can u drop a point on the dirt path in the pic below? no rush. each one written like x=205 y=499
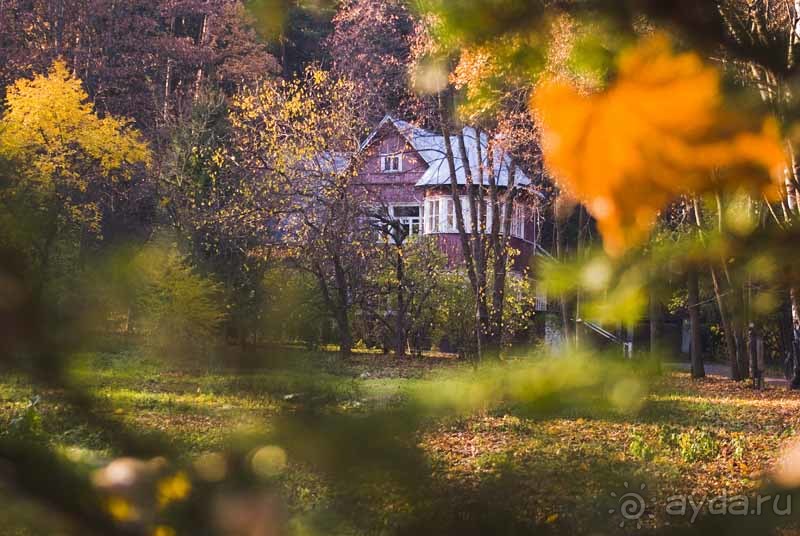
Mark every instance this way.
x=719 y=369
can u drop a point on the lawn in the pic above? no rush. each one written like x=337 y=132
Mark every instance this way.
x=563 y=471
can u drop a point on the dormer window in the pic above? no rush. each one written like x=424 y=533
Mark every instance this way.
x=391 y=163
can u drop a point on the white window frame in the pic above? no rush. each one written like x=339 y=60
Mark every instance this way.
x=396 y=158
x=432 y=215
x=440 y=215
x=518 y=216
x=449 y=216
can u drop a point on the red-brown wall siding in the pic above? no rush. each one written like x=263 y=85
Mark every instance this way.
x=450 y=244
x=392 y=187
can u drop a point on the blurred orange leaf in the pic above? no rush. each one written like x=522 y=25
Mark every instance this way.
x=659 y=131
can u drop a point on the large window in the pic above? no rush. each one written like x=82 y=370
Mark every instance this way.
x=392 y=163
x=410 y=218
x=440 y=216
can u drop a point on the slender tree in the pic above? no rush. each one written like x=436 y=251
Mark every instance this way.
x=300 y=144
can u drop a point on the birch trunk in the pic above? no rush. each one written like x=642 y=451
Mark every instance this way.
x=724 y=317
x=459 y=216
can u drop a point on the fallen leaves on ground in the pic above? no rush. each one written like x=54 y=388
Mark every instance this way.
x=563 y=471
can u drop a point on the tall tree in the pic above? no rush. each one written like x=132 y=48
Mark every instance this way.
x=300 y=142
x=406 y=279
x=500 y=134
x=65 y=153
x=371 y=45
x=693 y=304
x=137 y=58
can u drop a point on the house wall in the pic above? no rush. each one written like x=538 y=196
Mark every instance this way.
x=450 y=243
x=395 y=187
x=398 y=187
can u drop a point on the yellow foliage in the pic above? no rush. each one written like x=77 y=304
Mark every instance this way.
x=51 y=127
x=173 y=488
x=122 y=510
x=474 y=72
x=658 y=132
x=301 y=133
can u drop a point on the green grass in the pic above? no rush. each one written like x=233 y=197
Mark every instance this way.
x=553 y=469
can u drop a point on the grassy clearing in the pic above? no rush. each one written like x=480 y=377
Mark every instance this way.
x=702 y=438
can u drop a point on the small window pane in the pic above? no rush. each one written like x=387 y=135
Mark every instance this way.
x=450 y=215
x=406 y=212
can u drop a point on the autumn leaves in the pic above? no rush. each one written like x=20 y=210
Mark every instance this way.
x=661 y=130
x=50 y=125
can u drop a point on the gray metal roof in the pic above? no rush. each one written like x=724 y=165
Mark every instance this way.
x=431 y=147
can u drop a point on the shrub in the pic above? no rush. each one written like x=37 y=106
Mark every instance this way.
x=698 y=445
x=638 y=447
x=27 y=423
x=668 y=436
x=178 y=308
x=454 y=319
x=520 y=306
x=454 y=322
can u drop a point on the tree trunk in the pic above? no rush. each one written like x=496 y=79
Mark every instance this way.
x=343 y=327
x=59 y=27
x=168 y=76
x=477 y=209
x=578 y=252
x=342 y=308
x=655 y=321
x=724 y=318
x=201 y=42
x=727 y=328
x=560 y=243
x=740 y=332
x=459 y=217
x=338 y=307
x=794 y=293
x=497 y=247
x=400 y=333
x=698 y=370
x=795 y=308
x=501 y=257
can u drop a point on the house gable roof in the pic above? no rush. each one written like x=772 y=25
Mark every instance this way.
x=431 y=148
